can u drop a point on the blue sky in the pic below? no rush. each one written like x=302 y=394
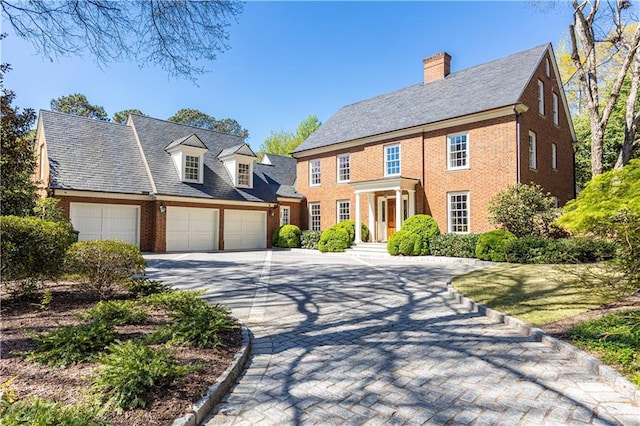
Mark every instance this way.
x=292 y=59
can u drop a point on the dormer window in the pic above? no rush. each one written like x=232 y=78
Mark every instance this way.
x=188 y=158
x=238 y=160
x=244 y=171
x=191 y=167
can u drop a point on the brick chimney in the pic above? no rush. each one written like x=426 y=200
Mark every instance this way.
x=436 y=67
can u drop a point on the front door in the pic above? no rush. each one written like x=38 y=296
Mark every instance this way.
x=391 y=217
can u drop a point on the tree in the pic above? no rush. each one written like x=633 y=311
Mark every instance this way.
x=17 y=159
x=283 y=143
x=122 y=116
x=77 y=104
x=613 y=51
x=197 y=118
x=176 y=35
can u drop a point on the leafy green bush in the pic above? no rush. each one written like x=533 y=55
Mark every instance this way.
x=286 y=236
x=71 y=344
x=350 y=227
x=33 y=248
x=534 y=249
x=48 y=209
x=491 y=245
x=529 y=249
x=334 y=239
x=131 y=369
x=116 y=312
x=424 y=226
x=143 y=286
x=309 y=239
x=105 y=263
x=405 y=243
x=454 y=245
x=37 y=411
x=176 y=300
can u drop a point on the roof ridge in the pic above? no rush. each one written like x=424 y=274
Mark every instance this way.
x=187 y=125
x=93 y=120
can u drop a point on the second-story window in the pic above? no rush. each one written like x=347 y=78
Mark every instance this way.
x=457 y=152
x=191 y=168
x=344 y=168
x=556 y=118
x=392 y=160
x=533 y=151
x=541 y=97
x=244 y=171
x=314 y=172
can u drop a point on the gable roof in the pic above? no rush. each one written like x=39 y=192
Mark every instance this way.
x=480 y=88
x=242 y=149
x=192 y=140
x=280 y=173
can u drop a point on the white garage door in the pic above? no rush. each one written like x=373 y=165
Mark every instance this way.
x=192 y=229
x=245 y=229
x=106 y=222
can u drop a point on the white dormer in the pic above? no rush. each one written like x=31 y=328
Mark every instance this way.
x=238 y=160
x=188 y=158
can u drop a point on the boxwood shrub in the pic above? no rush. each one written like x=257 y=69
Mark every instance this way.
x=454 y=245
x=424 y=226
x=286 y=236
x=534 y=249
x=492 y=245
x=350 y=227
x=335 y=239
x=309 y=239
x=405 y=243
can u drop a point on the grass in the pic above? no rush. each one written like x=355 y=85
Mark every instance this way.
x=536 y=294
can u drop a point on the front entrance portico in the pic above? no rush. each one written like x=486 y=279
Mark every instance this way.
x=380 y=193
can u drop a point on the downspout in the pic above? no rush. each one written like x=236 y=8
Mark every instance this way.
x=515 y=110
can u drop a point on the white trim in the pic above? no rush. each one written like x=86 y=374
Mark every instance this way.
x=310 y=205
x=466 y=166
x=533 y=159
x=338 y=157
x=179 y=199
x=556 y=113
x=133 y=206
x=289 y=200
x=144 y=157
x=250 y=174
x=452 y=194
x=565 y=104
x=386 y=159
x=311 y=162
x=112 y=195
x=338 y=202
x=282 y=210
x=541 y=109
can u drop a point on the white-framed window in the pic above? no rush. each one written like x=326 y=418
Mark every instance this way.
x=344 y=210
x=554 y=156
x=458 y=210
x=556 y=117
x=392 y=160
x=314 y=216
x=314 y=172
x=533 y=151
x=42 y=162
x=285 y=215
x=457 y=152
x=344 y=168
x=244 y=174
x=547 y=67
x=541 y=97
x=191 y=168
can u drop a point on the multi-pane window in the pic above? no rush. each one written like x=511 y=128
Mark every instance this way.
x=457 y=152
x=540 y=97
x=285 y=215
x=459 y=212
x=314 y=216
x=556 y=118
x=191 y=168
x=533 y=151
x=344 y=168
x=344 y=210
x=554 y=156
x=314 y=172
x=244 y=174
x=391 y=160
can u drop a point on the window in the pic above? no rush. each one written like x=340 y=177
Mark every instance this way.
x=285 y=215
x=459 y=212
x=547 y=67
x=314 y=172
x=244 y=171
x=457 y=152
x=556 y=119
x=540 y=97
x=533 y=161
x=344 y=210
x=391 y=160
x=554 y=156
x=42 y=163
x=191 y=168
x=344 y=168
x=314 y=216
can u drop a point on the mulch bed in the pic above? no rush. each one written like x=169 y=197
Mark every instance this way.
x=66 y=385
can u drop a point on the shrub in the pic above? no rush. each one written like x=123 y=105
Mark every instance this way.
x=530 y=249
x=130 y=370
x=491 y=245
x=424 y=226
x=49 y=209
x=334 y=239
x=578 y=250
x=405 y=243
x=71 y=344
x=37 y=411
x=286 y=236
x=176 y=300
x=105 y=263
x=116 y=312
x=523 y=210
x=350 y=227
x=309 y=239
x=142 y=286
x=33 y=249
x=454 y=245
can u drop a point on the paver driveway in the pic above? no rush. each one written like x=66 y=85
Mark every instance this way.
x=344 y=340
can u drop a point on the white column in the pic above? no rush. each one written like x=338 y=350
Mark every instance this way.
x=358 y=237
x=372 y=216
x=398 y=209
x=412 y=202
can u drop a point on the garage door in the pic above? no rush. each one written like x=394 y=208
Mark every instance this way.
x=106 y=222
x=245 y=229
x=192 y=229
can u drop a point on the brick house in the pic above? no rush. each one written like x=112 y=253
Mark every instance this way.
x=163 y=186
x=443 y=147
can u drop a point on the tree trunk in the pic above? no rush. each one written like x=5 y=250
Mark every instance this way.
x=632 y=117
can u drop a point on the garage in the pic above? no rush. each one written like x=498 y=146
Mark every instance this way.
x=192 y=229
x=245 y=229
x=106 y=222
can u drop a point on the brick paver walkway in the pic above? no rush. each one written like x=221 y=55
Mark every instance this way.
x=342 y=340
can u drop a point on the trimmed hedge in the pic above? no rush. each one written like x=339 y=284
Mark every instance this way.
x=286 y=236
x=491 y=245
x=309 y=239
x=405 y=243
x=454 y=245
x=534 y=249
x=335 y=239
x=33 y=248
x=350 y=227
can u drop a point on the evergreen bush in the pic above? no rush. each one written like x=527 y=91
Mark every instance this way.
x=309 y=239
x=405 y=243
x=424 y=226
x=492 y=245
x=333 y=240
x=454 y=245
x=286 y=236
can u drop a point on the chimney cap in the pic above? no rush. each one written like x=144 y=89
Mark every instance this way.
x=437 y=56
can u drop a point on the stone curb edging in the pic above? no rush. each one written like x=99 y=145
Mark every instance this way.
x=215 y=393
x=592 y=364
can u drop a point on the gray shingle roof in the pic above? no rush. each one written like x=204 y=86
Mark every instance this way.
x=491 y=85
x=280 y=174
